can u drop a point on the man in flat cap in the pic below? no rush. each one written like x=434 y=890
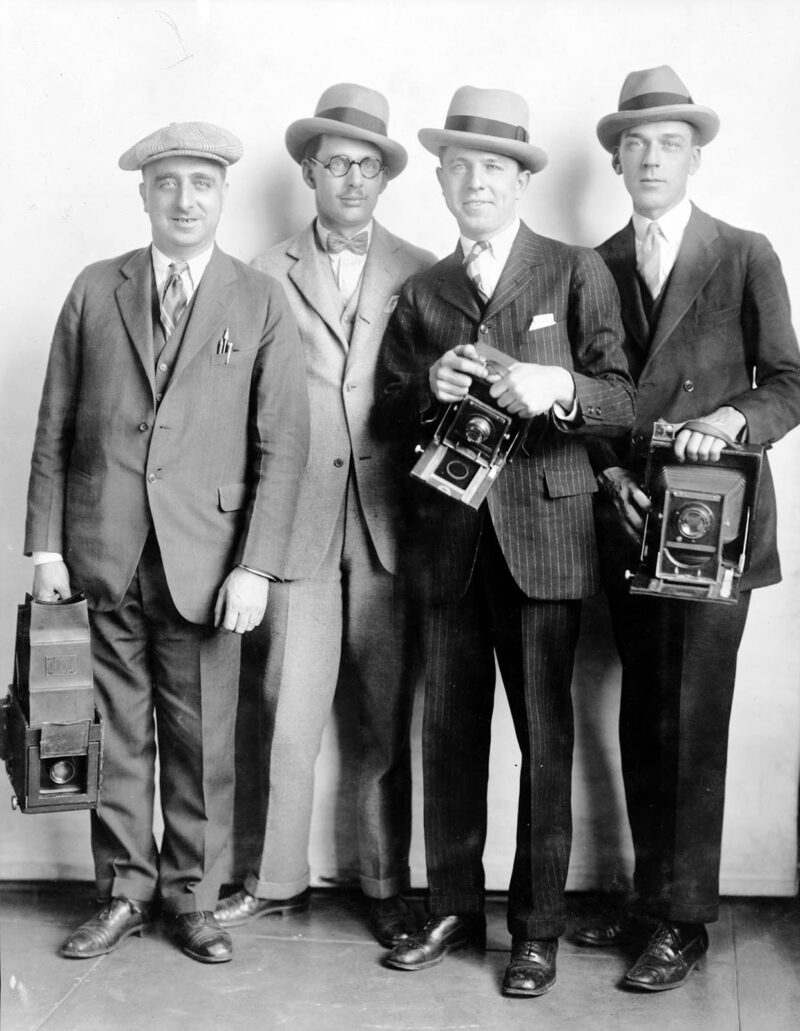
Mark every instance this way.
x=710 y=343
x=507 y=578
x=172 y=433
x=342 y=619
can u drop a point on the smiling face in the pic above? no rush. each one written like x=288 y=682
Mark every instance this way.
x=344 y=203
x=184 y=197
x=655 y=160
x=481 y=189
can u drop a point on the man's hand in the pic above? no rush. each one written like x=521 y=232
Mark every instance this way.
x=629 y=499
x=691 y=446
x=528 y=390
x=51 y=582
x=451 y=376
x=241 y=601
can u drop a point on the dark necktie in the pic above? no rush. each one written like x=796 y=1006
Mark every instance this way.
x=174 y=299
x=335 y=243
x=471 y=266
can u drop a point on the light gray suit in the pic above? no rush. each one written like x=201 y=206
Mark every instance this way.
x=342 y=613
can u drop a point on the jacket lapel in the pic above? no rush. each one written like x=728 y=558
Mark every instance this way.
x=315 y=283
x=525 y=255
x=207 y=316
x=620 y=257
x=376 y=286
x=695 y=263
x=455 y=287
x=135 y=302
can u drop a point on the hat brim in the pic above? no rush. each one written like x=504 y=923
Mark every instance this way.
x=529 y=157
x=704 y=120
x=299 y=133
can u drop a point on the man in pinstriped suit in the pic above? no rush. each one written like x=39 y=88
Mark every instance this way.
x=507 y=578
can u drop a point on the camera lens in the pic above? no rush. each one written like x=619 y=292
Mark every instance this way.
x=694 y=521
x=62 y=771
x=478 y=429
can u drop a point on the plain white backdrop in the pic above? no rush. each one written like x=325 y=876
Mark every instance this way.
x=84 y=79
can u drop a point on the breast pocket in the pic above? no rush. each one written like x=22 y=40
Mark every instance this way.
x=547 y=345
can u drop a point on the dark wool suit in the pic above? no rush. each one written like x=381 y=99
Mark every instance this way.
x=509 y=577
x=724 y=328
x=153 y=480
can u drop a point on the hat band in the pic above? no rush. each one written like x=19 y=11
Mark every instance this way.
x=645 y=100
x=486 y=127
x=358 y=119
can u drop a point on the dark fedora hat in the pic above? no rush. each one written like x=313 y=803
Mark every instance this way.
x=656 y=95
x=353 y=111
x=487 y=119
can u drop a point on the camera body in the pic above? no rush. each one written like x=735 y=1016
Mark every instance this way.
x=472 y=441
x=696 y=533
x=51 y=736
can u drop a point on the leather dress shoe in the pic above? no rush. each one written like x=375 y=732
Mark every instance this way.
x=674 y=950
x=200 y=936
x=391 y=920
x=532 y=968
x=242 y=907
x=605 y=933
x=107 y=929
x=440 y=935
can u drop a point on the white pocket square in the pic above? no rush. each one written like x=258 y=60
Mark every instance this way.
x=391 y=304
x=540 y=321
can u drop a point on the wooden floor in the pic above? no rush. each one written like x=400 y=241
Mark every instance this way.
x=321 y=971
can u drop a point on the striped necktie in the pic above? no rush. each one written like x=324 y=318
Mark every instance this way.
x=649 y=264
x=471 y=266
x=174 y=299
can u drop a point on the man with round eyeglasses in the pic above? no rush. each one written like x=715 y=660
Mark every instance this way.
x=341 y=616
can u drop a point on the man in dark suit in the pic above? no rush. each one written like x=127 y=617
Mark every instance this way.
x=172 y=434
x=508 y=577
x=342 y=274
x=710 y=343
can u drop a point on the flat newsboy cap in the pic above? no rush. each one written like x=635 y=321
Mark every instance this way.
x=656 y=95
x=184 y=139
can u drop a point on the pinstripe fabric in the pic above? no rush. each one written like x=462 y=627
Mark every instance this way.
x=507 y=579
x=541 y=506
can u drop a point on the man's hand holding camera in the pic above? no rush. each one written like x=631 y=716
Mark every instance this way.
x=630 y=501
x=694 y=446
x=525 y=389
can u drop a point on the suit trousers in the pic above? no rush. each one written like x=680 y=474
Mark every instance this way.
x=150 y=662
x=347 y=623
x=678 y=675
x=535 y=645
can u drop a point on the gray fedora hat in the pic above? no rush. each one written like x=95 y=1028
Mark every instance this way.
x=487 y=119
x=656 y=95
x=357 y=112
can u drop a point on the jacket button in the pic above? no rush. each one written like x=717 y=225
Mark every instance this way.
x=688 y=386
x=144 y=426
x=338 y=462
x=152 y=478
x=162 y=366
x=483 y=329
x=159 y=397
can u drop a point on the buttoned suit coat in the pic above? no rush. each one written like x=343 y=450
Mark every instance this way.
x=340 y=380
x=724 y=328
x=214 y=468
x=541 y=503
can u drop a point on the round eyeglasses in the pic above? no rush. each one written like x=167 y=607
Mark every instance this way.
x=339 y=165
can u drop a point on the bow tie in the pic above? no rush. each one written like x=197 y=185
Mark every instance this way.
x=335 y=244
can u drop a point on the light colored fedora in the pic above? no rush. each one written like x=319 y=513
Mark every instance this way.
x=656 y=95
x=487 y=119
x=353 y=111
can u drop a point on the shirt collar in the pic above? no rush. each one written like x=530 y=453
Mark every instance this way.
x=672 y=223
x=499 y=245
x=197 y=264
x=323 y=233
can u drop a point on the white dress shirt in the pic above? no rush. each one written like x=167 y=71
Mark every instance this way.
x=491 y=262
x=347 y=267
x=672 y=226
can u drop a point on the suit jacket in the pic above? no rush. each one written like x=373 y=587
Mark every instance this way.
x=724 y=337
x=214 y=467
x=341 y=390
x=540 y=505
